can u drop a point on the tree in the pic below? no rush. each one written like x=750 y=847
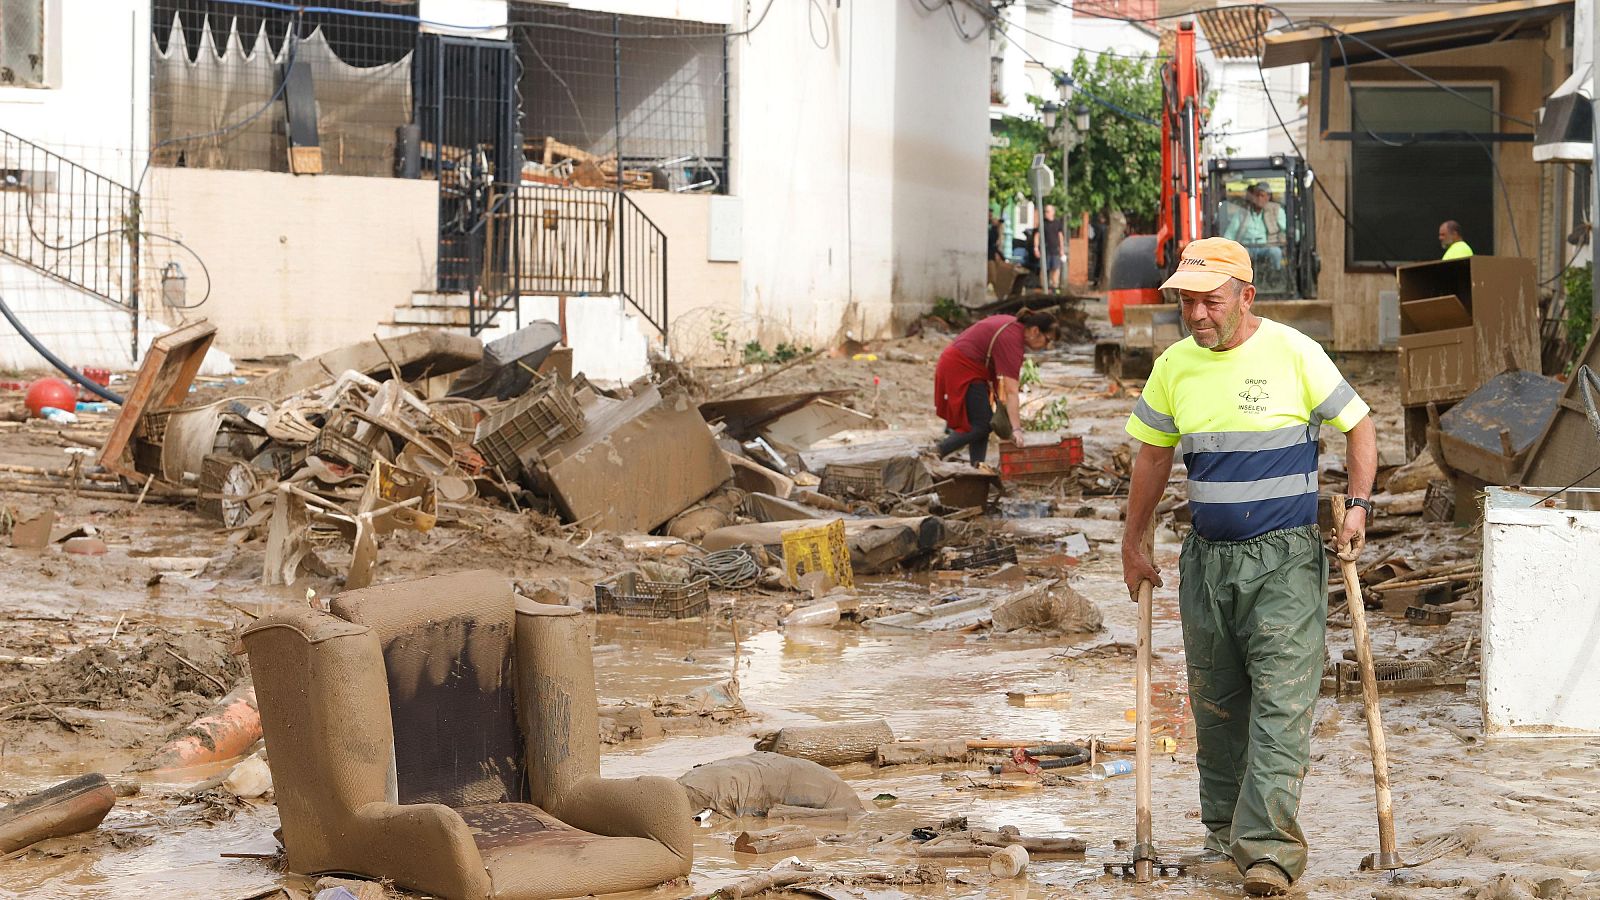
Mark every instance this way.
x=1117 y=162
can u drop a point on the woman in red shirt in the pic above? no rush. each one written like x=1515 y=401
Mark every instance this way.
x=985 y=361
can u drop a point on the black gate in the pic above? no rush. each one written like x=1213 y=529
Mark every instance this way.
x=466 y=111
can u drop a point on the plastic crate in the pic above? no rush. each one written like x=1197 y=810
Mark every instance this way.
x=546 y=415
x=846 y=481
x=153 y=426
x=332 y=444
x=1040 y=461
x=1439 y=502
x=989 y=553
x=630 y=595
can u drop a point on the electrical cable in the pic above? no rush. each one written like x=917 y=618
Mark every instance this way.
x=1126 y=113
x=811 y=28
x=291 y=48
x=1316 y=23
x=1295 y=145
x=731 y=570
x=54 y=360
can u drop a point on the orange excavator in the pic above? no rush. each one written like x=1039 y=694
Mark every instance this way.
x=1264 y=203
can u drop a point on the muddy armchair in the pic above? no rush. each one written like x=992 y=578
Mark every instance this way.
x=443 y=733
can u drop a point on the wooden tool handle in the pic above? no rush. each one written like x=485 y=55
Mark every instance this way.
x=1369 y=687
x=1141 y=770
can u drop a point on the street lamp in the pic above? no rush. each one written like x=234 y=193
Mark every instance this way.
x=1050 y=109
x=1080 y=118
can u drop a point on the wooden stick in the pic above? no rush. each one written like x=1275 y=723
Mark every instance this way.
x=1369 y=691
x=197 y=670
x=1464 y=575
x=145 y=490
x=1143 y=848
x=766 y=376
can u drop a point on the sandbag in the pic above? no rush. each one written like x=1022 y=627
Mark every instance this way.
x=751 y=785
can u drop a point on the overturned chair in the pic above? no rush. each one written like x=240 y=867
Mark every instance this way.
x=444 y=733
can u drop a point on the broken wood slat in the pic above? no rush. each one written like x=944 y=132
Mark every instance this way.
x=163 y=381
x=775 y=840
x=1008 y=836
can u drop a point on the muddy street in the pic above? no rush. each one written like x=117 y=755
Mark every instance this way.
x=107 y=655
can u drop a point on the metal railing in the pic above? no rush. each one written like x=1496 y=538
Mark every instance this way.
x=541 y=239
x=69 y=223
x=641 y=262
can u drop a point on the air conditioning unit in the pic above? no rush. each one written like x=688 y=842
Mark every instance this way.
x=1565 y=133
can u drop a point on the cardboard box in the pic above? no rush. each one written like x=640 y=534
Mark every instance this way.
x=1461 y=321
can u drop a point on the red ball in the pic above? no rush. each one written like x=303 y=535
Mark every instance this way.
x=50 y=392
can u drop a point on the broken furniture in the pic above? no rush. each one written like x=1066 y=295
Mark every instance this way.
x=1459 y=320
x=876 y=545
x=1486 y=437
x=637 y=462
x=509 y=364
x=169 y=367
x=1569 y=447
x=420 y=354
x=444 y=733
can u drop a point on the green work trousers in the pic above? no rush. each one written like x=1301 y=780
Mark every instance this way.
x=1254 y=617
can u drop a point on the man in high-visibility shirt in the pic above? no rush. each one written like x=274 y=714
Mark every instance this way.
x=1243 y=398
x=1450 y=240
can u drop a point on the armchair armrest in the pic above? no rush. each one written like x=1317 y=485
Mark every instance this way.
x=645 y=807
x=424 y=846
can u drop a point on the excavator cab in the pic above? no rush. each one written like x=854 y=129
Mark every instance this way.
x=1266 y=204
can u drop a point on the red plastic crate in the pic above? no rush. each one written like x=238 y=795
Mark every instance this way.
x=1040 y=461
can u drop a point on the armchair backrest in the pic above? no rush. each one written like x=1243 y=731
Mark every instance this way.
x=449 y=658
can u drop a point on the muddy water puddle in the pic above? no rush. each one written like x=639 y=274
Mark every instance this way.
x=956 y=685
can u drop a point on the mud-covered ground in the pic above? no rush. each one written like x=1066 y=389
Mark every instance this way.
x=123 y=648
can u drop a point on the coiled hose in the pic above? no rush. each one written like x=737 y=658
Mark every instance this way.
x=730 y=570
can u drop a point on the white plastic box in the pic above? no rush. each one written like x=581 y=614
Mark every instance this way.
x=1541 y=616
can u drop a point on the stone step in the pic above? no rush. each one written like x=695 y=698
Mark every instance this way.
x=432 y=315
x=440 y=299
x=396 y=329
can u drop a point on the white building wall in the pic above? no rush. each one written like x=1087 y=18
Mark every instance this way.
x=861 y=156
x=96 y=110
x=1242 y=122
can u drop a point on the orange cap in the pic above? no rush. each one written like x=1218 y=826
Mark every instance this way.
x=1208 y=263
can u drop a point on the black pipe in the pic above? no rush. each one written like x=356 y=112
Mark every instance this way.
x=55 y=360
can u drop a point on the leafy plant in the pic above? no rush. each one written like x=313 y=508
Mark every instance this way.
x=754 y=353
x=1053 y=417
x=1029 y=375
x=951 y=311
x=1579 y=285
x=1117 y=162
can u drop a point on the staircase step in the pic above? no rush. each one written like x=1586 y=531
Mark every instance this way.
x=398 y=329
x=432 y=315
x=440 y=298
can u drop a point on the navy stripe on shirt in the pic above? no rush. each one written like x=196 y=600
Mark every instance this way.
x=1243 y=521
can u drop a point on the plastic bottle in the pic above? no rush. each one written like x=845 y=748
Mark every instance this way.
x=85 y=406
x=59 y=416
x=823 y=615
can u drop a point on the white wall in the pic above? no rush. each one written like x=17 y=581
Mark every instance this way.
x=1242 y=119
x=1541 y=618
x=96 y=111
x=298 y=263
x=862 y=163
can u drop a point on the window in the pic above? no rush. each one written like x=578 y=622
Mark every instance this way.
x=22 y=43
x=1401 y=188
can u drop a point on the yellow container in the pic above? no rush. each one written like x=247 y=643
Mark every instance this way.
x=817 y=548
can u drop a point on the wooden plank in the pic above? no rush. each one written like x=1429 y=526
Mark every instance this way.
x=163 y=381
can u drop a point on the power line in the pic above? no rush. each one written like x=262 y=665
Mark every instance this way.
x=1126 y=113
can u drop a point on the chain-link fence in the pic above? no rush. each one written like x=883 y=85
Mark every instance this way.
x=237 y=86
x=634 y=101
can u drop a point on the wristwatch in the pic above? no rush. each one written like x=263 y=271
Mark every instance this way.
x=1353 y=502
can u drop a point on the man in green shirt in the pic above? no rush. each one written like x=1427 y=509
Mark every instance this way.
x=1260 y=227
x=1450 y=240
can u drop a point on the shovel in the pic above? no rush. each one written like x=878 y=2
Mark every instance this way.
x=1387 y=859
x=1144 y=851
